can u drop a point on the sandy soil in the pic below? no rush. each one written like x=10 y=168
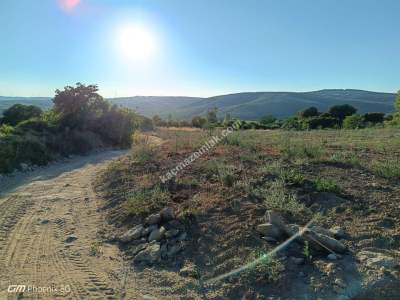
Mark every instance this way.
x=49 y=227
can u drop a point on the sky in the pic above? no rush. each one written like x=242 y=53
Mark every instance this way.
x=198 y=47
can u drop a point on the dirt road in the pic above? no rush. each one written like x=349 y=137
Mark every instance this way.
x=49 y=222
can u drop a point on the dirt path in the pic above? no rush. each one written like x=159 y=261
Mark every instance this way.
x=49 y=222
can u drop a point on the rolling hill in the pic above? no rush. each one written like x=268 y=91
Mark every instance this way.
x=247 y=106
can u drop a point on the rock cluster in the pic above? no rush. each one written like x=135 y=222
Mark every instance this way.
x=319 y=238
x=161 y=236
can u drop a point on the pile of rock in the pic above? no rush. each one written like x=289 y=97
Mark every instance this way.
x=319 y=238
x=161 y=236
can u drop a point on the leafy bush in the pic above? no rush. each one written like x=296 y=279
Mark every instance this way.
x=19 y=112
x=326 y=185
x=6 y=130
x=320 y=122
x=353 y=122
x=309 y=112
x=342 y=111
x=388 y=169
x=16 y=149
x=146 y=201
x=374 y=117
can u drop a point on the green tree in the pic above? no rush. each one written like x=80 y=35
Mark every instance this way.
x=309 y=112
x=20 y=112
x=212 y=116
x=342 y=111
x=267 y=120
x=397 y=102
x=354 y=122
x=199 y=122
x=79 y=106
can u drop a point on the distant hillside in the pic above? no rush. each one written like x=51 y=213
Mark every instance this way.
x=248 y=106
x=43 y=102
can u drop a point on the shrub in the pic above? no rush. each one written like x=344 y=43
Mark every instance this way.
x=199 y=122
x=268 y=120
x=16 y=149
x=6 y=130
x=309 y=112
x=353 y=122
x=19 y=112
x=146 y=201
x=326 y=185
x=342 y=111
x=321 y=122
x=374 y=117
x=293 y=124
x=388 y=169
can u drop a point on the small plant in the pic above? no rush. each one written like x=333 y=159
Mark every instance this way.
x=291 y=177
x=326 y=185
x=147 y=200
x=260 y=265
x=389 y=169
x=142 y=150
x=306 y=251
x=226 y=175
x=95 y=249
x=277 y=197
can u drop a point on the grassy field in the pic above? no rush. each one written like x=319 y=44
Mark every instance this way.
x=333 y=177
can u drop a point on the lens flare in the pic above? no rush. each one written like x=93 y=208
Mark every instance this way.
x=69 y=4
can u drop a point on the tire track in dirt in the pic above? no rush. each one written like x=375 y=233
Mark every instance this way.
x=36 y=221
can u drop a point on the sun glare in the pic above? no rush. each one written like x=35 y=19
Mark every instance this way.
x=136 y=43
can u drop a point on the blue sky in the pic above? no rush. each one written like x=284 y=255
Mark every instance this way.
x=202 y=47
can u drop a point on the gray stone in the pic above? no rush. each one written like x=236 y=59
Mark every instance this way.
x=136 y=249
x=171 y=233
x=324 y=242
x=182 y=236
x=332 y=257
x=321 y=230
x=275 y=219
x=167 y=214
x=150 y=254
x=157 y=234
x=297 y=260
x=153 y=219
x=270 y=230
x=44 y=221
x=71 y=238
x=337 y=232
x=174 y=249
x=132 y=234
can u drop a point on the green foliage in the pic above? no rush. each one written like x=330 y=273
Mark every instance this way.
x=342 y=111
x=212 y=119
x=353 y=122
x=6 y=130
x=146 y=201
x=374 y=117
x=19 y=112
x=309 y=112
x=262 y=266
x=397 y=102
x=79 y=106
x=293 y=123
x=268 y=119
x=199 y=122
x=16 y=149
x=320 y=122
x=388 y=169
x=328 y=185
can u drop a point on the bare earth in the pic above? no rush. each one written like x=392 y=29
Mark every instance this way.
x=49 y=223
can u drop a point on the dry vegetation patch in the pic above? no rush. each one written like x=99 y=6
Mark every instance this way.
x=335 y=177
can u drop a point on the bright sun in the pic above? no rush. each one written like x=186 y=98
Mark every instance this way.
x=136 y=43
